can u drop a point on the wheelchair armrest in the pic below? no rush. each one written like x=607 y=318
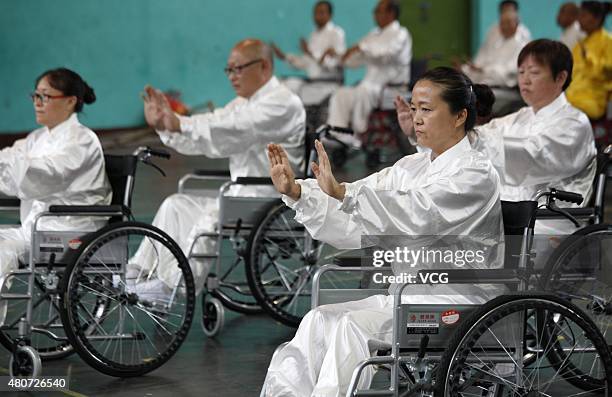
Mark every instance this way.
x=251 y=180
x=477 y=276
x=223 y=173
x=87 y=209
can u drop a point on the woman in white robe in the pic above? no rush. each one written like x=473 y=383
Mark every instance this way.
x=61 y=163
x=452 y=190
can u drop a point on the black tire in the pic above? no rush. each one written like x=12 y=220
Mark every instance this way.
x=465 y=367
x=25 y=362
x=45 y=315
x=153 y=327
x=578 y=270
x=278 y=243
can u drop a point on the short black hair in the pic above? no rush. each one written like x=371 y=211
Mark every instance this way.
x=394 y=7
x=505 y=3
x=550 y=53
x=329 y=5
x=599 y=9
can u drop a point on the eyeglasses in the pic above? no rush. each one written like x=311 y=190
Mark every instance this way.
x=239 y=68
x=45 y=98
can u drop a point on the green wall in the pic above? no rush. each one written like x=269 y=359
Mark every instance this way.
x=118 y=46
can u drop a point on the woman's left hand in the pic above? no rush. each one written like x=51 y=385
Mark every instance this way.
x=324 y=175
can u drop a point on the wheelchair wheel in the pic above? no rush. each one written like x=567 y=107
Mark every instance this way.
x=486 y=352
x=48 y=337
x=281 y=262
x=25 y=362
x=213 y=315
x=579 y=271
x=141 y=328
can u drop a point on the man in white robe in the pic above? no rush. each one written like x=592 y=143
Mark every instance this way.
x=320 y=58
x=264 y=111
x=386 y=52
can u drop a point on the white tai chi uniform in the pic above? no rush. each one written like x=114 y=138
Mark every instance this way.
x=553 y=148
x=572 y=35
x=387 y=54
x=320 y=40
x=497 y=58
x=61 y=166
x=455 y=194
x=241 y=130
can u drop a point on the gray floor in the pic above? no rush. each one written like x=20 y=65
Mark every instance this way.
x=232 y=364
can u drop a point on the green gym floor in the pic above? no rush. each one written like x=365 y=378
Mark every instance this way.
x=233 y=363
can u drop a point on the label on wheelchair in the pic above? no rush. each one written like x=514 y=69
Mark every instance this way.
x=60 y=243
x=423 y=323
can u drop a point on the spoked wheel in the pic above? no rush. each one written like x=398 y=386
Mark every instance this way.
x=147 y=320
x=283 y=258
x=213 y=315
x=486 y=353
x=25 y=362
x=579 y=271
x=282 y=261
x=47 y=337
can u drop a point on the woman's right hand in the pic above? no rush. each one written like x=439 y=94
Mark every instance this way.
x=281 y=172
x=404 y=116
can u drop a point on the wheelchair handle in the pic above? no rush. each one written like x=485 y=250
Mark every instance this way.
x=554 y=194
x=566 y=196
x=146 y=152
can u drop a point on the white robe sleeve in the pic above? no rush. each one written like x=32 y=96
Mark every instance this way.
x=389 y=52
x=230 y=130
x=38 y=176
x=8 y=158
x=561 y=148
x=376 y=206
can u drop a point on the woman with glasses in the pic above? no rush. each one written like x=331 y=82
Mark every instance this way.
x=60 y=163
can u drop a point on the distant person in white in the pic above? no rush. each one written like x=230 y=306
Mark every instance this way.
x=320 y=58
x=386 y=52
x=567 y=19
x=495 y=62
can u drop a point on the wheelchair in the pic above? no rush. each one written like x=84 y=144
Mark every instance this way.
x=526 y=343
x=76 y=293
x=273 y=257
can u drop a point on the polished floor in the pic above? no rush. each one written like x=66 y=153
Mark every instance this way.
x=233 y=363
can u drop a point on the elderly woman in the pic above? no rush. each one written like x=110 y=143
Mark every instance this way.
x=60 y=163
x=451 y=190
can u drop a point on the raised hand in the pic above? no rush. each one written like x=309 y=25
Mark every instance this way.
x=158 y=112
x=404 y=115
x=323 y=172
x=281 y=172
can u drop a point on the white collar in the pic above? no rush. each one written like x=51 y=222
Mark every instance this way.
x=64 y=125
x=264 y=89
x=451 y=153
x=552 y=107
